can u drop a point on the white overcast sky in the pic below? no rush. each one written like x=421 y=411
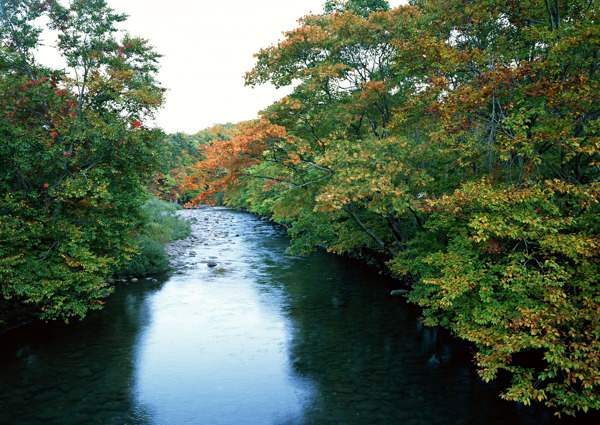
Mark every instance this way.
x=207 y=46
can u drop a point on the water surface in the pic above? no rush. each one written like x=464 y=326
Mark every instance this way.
x=262 y=338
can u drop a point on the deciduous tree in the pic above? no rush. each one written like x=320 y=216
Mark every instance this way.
x=74 y=153
x=460 y=140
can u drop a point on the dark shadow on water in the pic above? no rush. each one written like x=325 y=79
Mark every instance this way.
x=370 y=360
x=83 y=372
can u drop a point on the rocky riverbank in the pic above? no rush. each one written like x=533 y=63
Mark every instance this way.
x=207 y=229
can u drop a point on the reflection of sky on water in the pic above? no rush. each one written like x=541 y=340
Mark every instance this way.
x=215 y=350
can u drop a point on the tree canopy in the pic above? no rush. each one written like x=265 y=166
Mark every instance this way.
x=74 y=153
x=459 y=141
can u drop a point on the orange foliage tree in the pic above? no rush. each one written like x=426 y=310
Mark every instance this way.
x=460 y=141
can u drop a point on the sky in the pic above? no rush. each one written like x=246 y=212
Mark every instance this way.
x=207 y=46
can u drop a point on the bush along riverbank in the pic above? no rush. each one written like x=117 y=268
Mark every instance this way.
x=160 y=226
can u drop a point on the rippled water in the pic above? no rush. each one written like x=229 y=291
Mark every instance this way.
x=262 y=338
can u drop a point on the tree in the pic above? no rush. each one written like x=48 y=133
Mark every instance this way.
x=360 y=7
x=340 y=117
x=458 y=140
x=74 y=154
x=510 y=257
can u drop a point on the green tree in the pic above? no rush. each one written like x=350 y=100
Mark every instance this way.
x=360 y=7
x=459 y=139
x=74 y=154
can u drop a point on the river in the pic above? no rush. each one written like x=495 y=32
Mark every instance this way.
x=247 y=334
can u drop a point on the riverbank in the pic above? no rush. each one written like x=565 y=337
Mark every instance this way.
x=207 y=230
x=161 y=227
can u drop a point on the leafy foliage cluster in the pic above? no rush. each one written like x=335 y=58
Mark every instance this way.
x=180 y=151
x=160 y=227
x=461 y=139
x=74 y=153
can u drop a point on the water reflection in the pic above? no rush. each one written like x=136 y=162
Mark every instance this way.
x=262 y=338
x=81 y=373
x=215 y=351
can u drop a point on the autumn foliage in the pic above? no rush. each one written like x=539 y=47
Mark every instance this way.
x=74 y=154
x=179 y=152
x=460 y=141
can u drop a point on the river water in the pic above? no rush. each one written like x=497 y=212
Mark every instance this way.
x=261 y=338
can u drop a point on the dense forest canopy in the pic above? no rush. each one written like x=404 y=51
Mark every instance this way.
x=458 y=140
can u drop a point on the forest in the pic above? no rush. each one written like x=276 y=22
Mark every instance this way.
x=456 y=142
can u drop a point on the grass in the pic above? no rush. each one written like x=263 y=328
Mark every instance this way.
x=161 y=227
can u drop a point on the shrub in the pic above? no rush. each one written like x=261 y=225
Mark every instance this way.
x=161 y=226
